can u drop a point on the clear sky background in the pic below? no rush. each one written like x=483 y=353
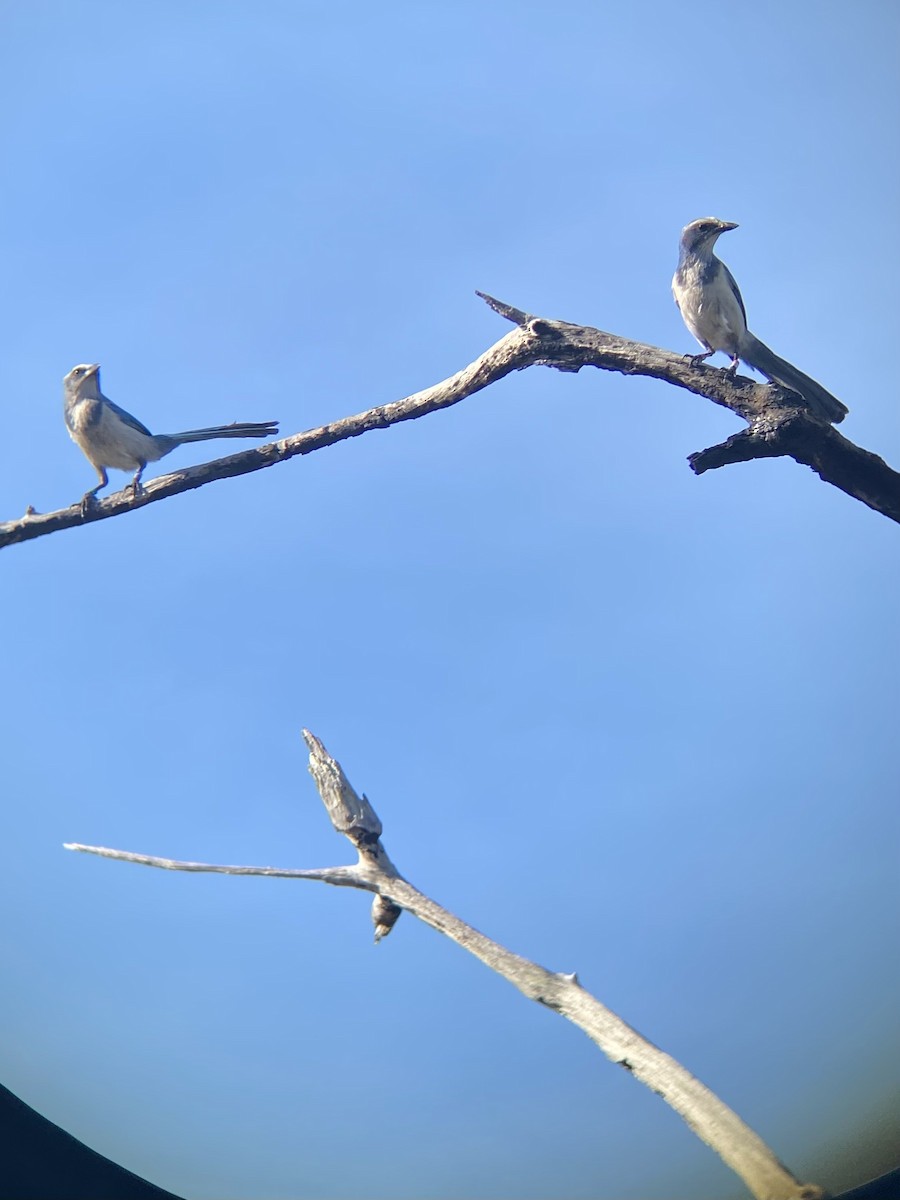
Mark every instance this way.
x=627 y=721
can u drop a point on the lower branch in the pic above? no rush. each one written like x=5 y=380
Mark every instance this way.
x=833 y=457
x=352 y=815
x=740 y=447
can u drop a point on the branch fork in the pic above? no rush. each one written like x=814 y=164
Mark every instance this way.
x=779 y=424
x=352 y=815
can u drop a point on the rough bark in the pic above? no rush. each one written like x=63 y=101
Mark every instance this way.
x=778 y=422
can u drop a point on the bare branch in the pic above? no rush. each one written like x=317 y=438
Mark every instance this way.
x=779 y=423
x=509 y=354
x=337 y=876
x=353 y=816
x=516 y=315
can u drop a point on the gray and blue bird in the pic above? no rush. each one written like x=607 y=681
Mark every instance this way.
x=111 y=437
x=710 y=303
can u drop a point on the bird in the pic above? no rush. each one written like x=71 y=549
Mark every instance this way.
x=710 y=304
x=111 y=437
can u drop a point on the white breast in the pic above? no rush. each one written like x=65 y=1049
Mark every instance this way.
x=710 y=309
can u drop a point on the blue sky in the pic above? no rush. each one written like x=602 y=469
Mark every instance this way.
x=629 y=722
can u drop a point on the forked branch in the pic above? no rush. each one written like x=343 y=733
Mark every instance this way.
x=778 y=423
x=352 y=815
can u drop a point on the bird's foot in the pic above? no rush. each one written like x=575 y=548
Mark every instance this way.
x=89 y=502
x=697 y=360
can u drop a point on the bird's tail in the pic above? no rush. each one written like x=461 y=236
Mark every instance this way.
x=822 y=403
x=239 y=429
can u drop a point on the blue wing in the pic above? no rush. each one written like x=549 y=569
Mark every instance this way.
x=128 y=418
x=737 y=292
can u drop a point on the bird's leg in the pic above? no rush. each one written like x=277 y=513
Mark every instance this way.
x=697 y=359
x=735 y=363
x=136 y=488
x=89 y=499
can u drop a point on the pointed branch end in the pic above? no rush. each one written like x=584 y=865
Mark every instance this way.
x=505 y=310
x=350 y=814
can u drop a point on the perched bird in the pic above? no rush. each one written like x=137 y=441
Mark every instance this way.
x=111 y=437
x=711 y=305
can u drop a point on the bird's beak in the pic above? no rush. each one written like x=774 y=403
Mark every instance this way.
x=726 y=225
x=93 y=369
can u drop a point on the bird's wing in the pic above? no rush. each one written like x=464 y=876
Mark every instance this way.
x=129 y=420
x=732 y=283
x=676 y=286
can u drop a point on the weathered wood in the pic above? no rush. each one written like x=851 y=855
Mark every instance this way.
x=779 y=423
x=353 y=816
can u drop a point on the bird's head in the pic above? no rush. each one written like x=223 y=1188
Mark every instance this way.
x=700 y=236
x=83 y=380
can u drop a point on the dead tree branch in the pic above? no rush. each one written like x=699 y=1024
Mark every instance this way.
x=353 y=816
x=778 y=422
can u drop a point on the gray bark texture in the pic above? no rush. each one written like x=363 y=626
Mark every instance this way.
x=778 y=423
x=352 y=815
